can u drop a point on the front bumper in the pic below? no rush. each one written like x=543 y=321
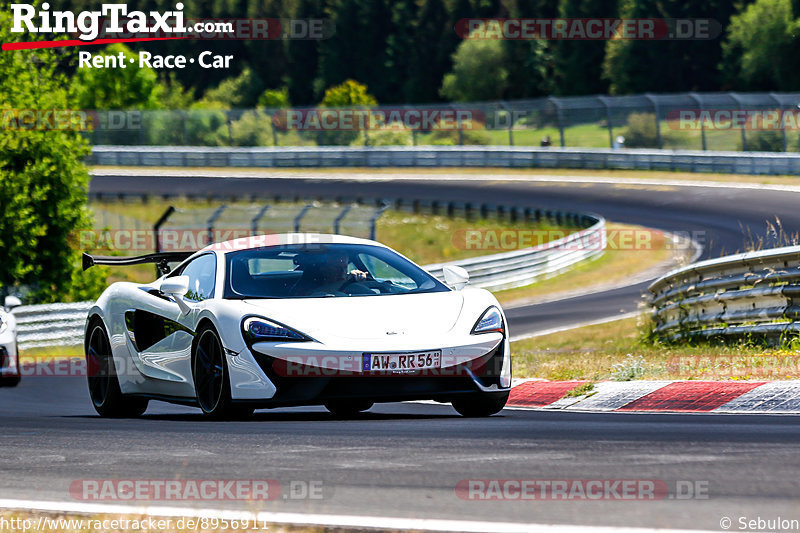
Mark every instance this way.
x=315 y=376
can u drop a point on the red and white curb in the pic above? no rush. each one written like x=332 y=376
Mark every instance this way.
x=776 y=397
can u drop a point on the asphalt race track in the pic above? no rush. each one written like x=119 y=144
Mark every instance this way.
x=405 y=460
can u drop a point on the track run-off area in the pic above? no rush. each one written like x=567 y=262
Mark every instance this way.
x=412 y=461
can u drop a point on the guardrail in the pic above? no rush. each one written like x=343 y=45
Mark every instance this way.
x=449 y=156
x=748 y=294
x=62 y=324
x=51 y=324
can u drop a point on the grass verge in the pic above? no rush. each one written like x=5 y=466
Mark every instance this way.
x=618 y=351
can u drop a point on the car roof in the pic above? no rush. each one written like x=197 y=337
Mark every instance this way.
x=280 y=239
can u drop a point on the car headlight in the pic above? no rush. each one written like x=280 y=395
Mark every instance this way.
x=491 y=321
x=257 y=329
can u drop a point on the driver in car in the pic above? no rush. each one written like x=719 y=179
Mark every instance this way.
x=327 y=274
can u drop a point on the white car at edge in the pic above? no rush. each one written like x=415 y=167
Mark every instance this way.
x=294 y=319
x=9 y=352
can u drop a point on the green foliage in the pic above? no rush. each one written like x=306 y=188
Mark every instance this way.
x=764 y=141
x=242 y=91
x=479 y=72
x=471 y=134
x=641 y=131
x=45 y=184
x=275 y=98
x=761 y=47
x=669 y=65
x=386 y=137
x=579 y=64
x=253 y=128
x=350 y=94
x=132 y=87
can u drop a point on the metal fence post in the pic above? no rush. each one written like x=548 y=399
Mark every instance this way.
x=337 y=222
x=702 y=125
x=741 y=108
x=212 y=219
x=256 y=219
x=608 y=119
x=656 y=110
x=783 y=121
x=560 y=116
x=510 y=122
x=373 y=222
x=157 y=226
x=300 y=216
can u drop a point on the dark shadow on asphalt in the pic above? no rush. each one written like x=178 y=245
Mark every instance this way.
x=284 y=417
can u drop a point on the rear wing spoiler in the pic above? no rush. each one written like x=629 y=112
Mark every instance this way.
x=160 y=259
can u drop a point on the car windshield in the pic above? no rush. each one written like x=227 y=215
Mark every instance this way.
x=323 y=271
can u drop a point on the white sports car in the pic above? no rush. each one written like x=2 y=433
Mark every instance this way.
x=9 y=354
x=294 y=319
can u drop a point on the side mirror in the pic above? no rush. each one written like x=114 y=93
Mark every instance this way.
x=177 y=287
x=11 y=302
x=455 y=276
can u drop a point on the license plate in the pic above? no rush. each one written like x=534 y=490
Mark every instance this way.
x=402 y=362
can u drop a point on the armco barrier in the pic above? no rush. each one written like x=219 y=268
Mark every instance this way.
x=749 y=294
x=62 y=324
x=449 y=156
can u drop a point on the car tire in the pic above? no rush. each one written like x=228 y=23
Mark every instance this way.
x=348 y=408
x=104 y=390
x=481 y=404
x=211 y=378
x=12 y=381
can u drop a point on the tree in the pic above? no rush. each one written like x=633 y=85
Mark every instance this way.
x=45 y=183
x=669 y=65
x=479 y=72
x=303 y=58
x=132 y=87
x=431 y=46
x=760 y=51
x=579 y=64
x=236 y=92
x=349 y=94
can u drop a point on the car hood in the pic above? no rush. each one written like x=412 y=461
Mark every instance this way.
x=365 y=317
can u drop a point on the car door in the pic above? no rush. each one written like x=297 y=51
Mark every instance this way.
x=162 y=334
